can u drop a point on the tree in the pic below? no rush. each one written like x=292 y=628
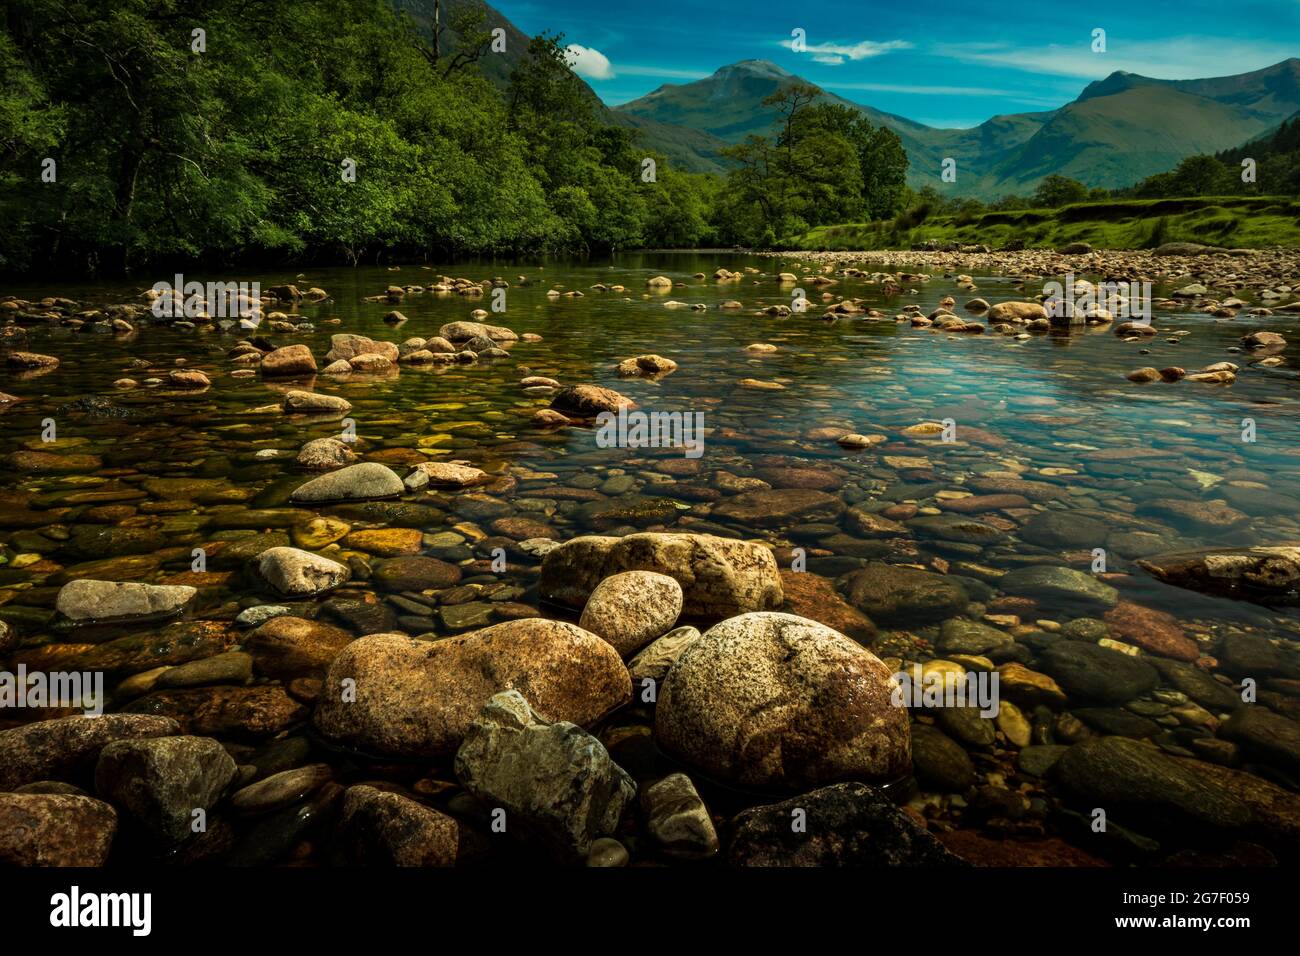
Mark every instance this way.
x=884 y=173
x=809 y=173
x=1200 y=176
x=473 y=39
x=1056 y=190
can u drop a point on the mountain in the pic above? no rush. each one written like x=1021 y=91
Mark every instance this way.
x=1127 y=127
x=729 y=106
x=1118 y=131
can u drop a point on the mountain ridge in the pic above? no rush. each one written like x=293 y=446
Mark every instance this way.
x=1117 y=131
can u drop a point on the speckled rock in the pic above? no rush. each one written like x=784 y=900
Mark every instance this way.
x=161 y=782
x=322 y=453
x=773 y=700
x=55 y=830
x=631 y=609
x=417 y=699
x=719 y=577
x=380 y=828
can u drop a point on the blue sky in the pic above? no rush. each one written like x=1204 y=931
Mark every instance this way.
x=941 y=62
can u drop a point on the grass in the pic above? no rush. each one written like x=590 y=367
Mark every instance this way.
x=1233 y=221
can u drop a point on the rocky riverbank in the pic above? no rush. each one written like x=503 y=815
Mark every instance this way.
x=1228 y=270
x=365 y=601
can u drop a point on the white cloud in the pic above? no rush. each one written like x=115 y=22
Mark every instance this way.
x=589 y=62
x=834 y=54
x=666 y=73
x=1172 y=58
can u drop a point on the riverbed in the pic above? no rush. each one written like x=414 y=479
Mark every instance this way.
x=985 y=455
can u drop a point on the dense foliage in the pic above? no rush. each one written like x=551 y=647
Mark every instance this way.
x=240 y=142
x=824 y=164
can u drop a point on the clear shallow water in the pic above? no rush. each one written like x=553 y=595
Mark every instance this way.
x=1043 y=408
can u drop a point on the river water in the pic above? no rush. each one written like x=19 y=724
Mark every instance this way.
x=167 y=471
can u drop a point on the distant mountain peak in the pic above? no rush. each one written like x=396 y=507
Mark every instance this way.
x=1116 y=82
x=760 y=67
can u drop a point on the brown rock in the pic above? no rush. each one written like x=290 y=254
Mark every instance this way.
x=31 y=360
x=975 y=848
x=380 y=828
x=48 y=829
x=719 y=576
x=1156 y=632
x=289 y=360
x=67 y=748
x=588 y=401
x=1030 y=688
x=287 y=647
x=416 y=573
x=1015 y=312
x=978 y=504
x=417 y=699
x=778 y=506
x=225 y=711
x=385 y=542
x=814 y=597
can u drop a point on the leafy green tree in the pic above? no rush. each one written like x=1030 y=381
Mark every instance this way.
x=1056 y=190
x=678 y=208
x=884 y=173
x=362 y=138
x=30 y=127
x=810 y=172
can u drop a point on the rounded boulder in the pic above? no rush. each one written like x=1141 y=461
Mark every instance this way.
x=778 y=701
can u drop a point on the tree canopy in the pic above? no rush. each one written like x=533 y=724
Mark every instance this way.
x=137 y=132
x=824 y=164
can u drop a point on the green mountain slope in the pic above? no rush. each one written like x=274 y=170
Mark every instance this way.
x=1118 y=131
x=1117 y=139
x=729 y=106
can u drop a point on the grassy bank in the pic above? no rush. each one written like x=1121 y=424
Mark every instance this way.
x=1112 y=224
